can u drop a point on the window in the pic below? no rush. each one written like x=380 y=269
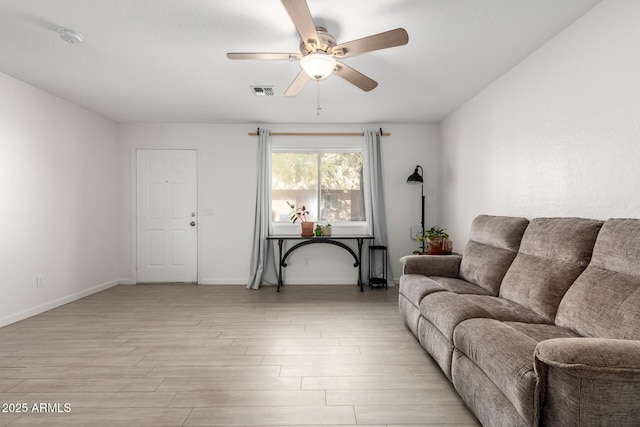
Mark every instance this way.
x=328 y=183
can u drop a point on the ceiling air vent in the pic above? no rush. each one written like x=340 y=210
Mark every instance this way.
x=262 y=90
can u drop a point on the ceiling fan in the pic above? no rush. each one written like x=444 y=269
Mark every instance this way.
x=319 y=53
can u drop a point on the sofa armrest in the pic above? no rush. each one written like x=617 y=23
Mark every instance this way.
x=588 y=381
x=432 y=265
x=592 y=357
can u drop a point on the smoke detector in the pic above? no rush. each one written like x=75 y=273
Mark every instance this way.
x=70 y=36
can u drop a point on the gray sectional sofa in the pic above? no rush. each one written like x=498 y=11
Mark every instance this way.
x=537 y=322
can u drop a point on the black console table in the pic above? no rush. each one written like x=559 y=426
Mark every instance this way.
x=332 y=240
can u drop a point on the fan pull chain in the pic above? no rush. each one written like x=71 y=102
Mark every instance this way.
x=318 y=108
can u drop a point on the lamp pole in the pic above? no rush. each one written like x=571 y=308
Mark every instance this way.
x=422 y=214
x=417 y=178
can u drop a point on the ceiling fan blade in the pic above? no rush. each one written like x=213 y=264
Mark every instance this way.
x=392 y=38
x=355 y=77
x=297 y=84
x=256 y=55
x=299 y=13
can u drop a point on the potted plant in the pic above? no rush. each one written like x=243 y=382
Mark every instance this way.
x=437 y=239
x=326 y=230
x=300 y=215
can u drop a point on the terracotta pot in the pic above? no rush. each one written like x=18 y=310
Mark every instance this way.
x=439 y=245
x=307 y=228
x=434 y=245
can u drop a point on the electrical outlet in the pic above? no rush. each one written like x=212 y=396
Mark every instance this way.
x=39 y=282
x=415 y=229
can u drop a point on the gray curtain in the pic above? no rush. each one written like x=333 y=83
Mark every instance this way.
x=263 y=264
x=374 y=199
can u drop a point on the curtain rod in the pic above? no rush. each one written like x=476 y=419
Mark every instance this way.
x=319 y=133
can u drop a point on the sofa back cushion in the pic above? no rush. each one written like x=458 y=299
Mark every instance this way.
x=604 y=302
x=553 y=253
x=493 y=244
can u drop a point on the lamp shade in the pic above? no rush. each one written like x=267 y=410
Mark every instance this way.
x=415 y=177
x=318 y=66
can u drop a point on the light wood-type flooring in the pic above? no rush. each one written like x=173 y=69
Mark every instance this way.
x=189 y=355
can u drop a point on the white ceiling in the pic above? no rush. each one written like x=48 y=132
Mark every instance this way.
x=165 y=60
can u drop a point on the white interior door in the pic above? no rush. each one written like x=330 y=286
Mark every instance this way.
x=167 y=221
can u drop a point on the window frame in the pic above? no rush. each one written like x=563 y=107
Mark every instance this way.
x=340 y=228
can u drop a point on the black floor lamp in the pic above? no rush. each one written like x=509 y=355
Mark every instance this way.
x=416 y=178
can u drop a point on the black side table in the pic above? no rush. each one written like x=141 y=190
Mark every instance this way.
x=335 y=240
x=378 y=266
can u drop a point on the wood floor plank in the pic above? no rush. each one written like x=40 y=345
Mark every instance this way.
x=416 y=382
x=294 y=349
x=442 y=396
x=201 y=371
x=115 y=400
x=100 y=417
x=249 y=398
x=229 y=383
x=189 y=355
x=345 y=370
x=441 y=415
x=268 y=416
x=67 y=372
x=322 y=359
x=91 y=384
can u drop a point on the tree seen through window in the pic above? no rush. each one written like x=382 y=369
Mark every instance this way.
x=328 y=184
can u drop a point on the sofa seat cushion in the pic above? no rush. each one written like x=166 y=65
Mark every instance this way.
x=460 y=286
x=553 y=253
x=503 y=352
x=446 y=310
x=414 y=287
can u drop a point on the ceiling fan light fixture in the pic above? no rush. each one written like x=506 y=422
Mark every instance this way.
x=318 y=66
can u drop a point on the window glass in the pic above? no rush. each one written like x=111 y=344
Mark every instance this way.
x=341 y=196
x=294 y=179
x=327 y=184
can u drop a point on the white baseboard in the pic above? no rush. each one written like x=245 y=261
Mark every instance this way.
x=305 y=282
x=25 y=314
x=222 y=282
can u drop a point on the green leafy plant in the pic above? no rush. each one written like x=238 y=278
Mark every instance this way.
x=432 y=234
x=435 y=232
x=298 y=214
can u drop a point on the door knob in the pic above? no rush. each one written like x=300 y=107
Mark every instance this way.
x=192 y=223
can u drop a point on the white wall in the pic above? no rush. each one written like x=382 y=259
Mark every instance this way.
x=58 y=192
x=226 y=175
x=558 y=135
x=226 y=155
